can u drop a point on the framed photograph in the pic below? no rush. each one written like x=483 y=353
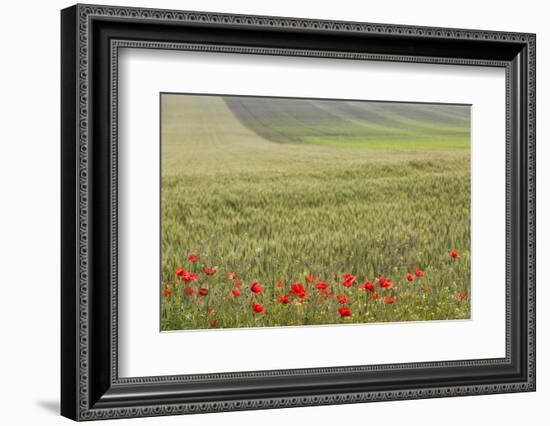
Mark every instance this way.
x=263 y=212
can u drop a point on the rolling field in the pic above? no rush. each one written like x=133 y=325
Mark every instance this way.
x=274 y=190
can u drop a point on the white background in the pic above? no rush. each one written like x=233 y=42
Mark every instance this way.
x=140 y=343
x=29 y=229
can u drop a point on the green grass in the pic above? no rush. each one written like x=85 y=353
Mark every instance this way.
x=379 y=125
x=274 y=190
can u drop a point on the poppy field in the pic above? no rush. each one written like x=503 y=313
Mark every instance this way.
x=288 y=212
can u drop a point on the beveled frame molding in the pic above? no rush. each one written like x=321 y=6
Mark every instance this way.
x=91 y=38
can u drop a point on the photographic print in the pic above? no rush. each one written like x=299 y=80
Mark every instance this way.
x=293 y=212
x=270 y=182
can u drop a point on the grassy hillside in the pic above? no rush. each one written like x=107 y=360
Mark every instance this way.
x=352 y=123
x=301 y=191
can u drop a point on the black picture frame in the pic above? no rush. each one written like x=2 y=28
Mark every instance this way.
x=90 y=386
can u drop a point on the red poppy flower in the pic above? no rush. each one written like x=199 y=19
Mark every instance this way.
x=210 y=309
x=344 y=312
x=342 y=299
x=410 y=277
x=256 y=288
x=189 y=291
x=186 y=276
x=310 y=278
x=203 y=291
x=326 y=292
x=284 y=299
x=390 y=300
x=237 y=284
x=280 y=284
x=236 y=292
x=463 y=295
x=321 y=285
x=210 y=271
x=213 y=322
x=167 y=293
x=298 y=290
x=385 y=282
x=349 y=280
x=419 y=272
x=374 y=296
x=454 y=254
x=257 y=308
x=367 y=285
x=231 y=275
x=193 y=257
x=190 y=277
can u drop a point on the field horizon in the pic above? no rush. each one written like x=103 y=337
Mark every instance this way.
x=306 y=191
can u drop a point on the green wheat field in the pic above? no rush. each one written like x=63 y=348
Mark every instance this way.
x=283 y=211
